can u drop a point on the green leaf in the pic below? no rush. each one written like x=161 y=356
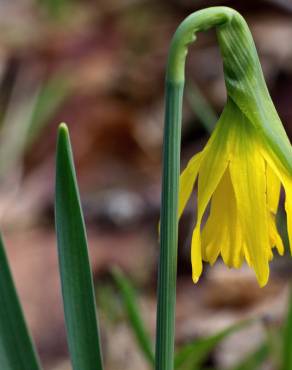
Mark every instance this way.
x=25 y=117
x=50 y=97
x=76 y=276
x=15 y=125
x=133 y=312
x=16 y=346
x=201 y=107
x=254 y=360
x=56 y=8
x=287 y=339
x=192 y=355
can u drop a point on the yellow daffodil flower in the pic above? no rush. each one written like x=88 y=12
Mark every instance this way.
x=237 y=174
x=242 y=167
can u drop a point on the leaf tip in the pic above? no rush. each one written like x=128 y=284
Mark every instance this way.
x=63 y=128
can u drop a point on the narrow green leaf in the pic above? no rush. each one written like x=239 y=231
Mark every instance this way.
x=50 y=97
x=76 y=276
x=16 y=346
x=56 y=8
x=133 y=312
x=15 y=125
x=201 y=107
x=287 y=338
x=192 y=355
x=254 y=360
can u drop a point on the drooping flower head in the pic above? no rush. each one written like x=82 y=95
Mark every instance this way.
x=241 y=169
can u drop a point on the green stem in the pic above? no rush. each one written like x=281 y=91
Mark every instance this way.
x=168 y=229
x=184 y=35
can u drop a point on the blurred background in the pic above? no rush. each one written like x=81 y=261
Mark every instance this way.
x=99 y=66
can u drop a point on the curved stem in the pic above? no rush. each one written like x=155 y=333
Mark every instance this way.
x=184 y=35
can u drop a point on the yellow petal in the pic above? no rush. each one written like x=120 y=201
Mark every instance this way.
x=231 y=249
x=287 y=183
x=275 y=239
x=213 y=165
x=247 y=255
x=210 y=252
x=247 y=169
x=288 y=207
x=273 y=189
x=286 y=180
x=222 y=230
x=187 y=181
x=273 y=195
x=196 y=257
x=217 y=141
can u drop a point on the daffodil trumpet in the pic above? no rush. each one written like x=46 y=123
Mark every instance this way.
x=239 y=172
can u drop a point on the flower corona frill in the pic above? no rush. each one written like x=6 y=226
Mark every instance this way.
x=242 y=182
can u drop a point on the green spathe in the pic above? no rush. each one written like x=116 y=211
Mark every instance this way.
x=246 y=86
